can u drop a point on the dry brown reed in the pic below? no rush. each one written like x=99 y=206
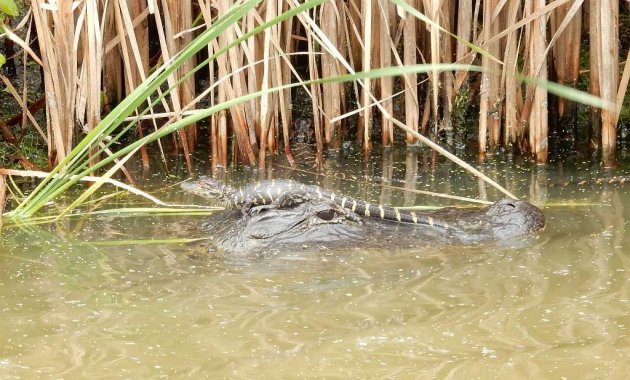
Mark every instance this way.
x=120 y=41
x=566 y=27
x=604 y=29
x=59 y=57
x=412 y=106
x=3 y=196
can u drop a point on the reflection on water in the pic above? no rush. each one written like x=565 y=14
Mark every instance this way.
x=557 y=307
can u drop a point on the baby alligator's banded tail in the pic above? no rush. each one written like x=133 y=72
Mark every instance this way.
x=285 y=193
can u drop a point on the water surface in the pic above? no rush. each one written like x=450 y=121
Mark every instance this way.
x=75 y=303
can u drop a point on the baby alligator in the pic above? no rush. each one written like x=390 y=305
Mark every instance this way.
x=286 y=193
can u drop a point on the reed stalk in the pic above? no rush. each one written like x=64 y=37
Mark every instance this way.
x=432 y=8
x=113 y=83
x=514 y=131
x=316 y=98
x=412 y=115
x=3 y=196
x=490 y=105
x=331 y=91
x=567 y=20
x=126 y=52
x=178 y=20
x=267 y=100
x=365 y=120
x=623 y=87
x=284 y=71
x=464 y=29
x=447 y=82
x=386 y=18
x=537 y=43
x=605 y=29
x=59 y=61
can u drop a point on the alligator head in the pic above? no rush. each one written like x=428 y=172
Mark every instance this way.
x=512 y=218
x=266 y=229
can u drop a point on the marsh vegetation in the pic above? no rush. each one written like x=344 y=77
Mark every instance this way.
x=229 y=78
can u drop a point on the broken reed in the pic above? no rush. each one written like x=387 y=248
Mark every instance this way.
x=537 y=38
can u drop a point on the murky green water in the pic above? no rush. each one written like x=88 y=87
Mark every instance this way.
x=75 y=304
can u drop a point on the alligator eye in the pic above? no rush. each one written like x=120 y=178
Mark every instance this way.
x=327 y=215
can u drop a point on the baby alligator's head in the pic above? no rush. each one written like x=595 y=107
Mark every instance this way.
x=208 y=187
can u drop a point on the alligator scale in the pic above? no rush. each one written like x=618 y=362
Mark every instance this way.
x=277 y=212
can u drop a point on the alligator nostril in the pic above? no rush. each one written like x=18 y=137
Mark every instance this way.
x=511 y=205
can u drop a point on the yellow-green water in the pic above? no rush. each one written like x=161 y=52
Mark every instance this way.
x=554 y=306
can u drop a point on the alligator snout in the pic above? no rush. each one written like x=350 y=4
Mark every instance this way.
x=513 y=218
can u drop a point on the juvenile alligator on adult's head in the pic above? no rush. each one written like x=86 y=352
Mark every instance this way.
x=282 y=193
x=502 y=220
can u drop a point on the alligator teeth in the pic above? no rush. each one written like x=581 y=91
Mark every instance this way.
x=380 y=207
x=367 y=210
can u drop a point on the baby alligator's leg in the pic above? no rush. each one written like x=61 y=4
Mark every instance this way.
x=287 y=199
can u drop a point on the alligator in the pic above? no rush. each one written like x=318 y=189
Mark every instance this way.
x=319 y=226
x=277 y=211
